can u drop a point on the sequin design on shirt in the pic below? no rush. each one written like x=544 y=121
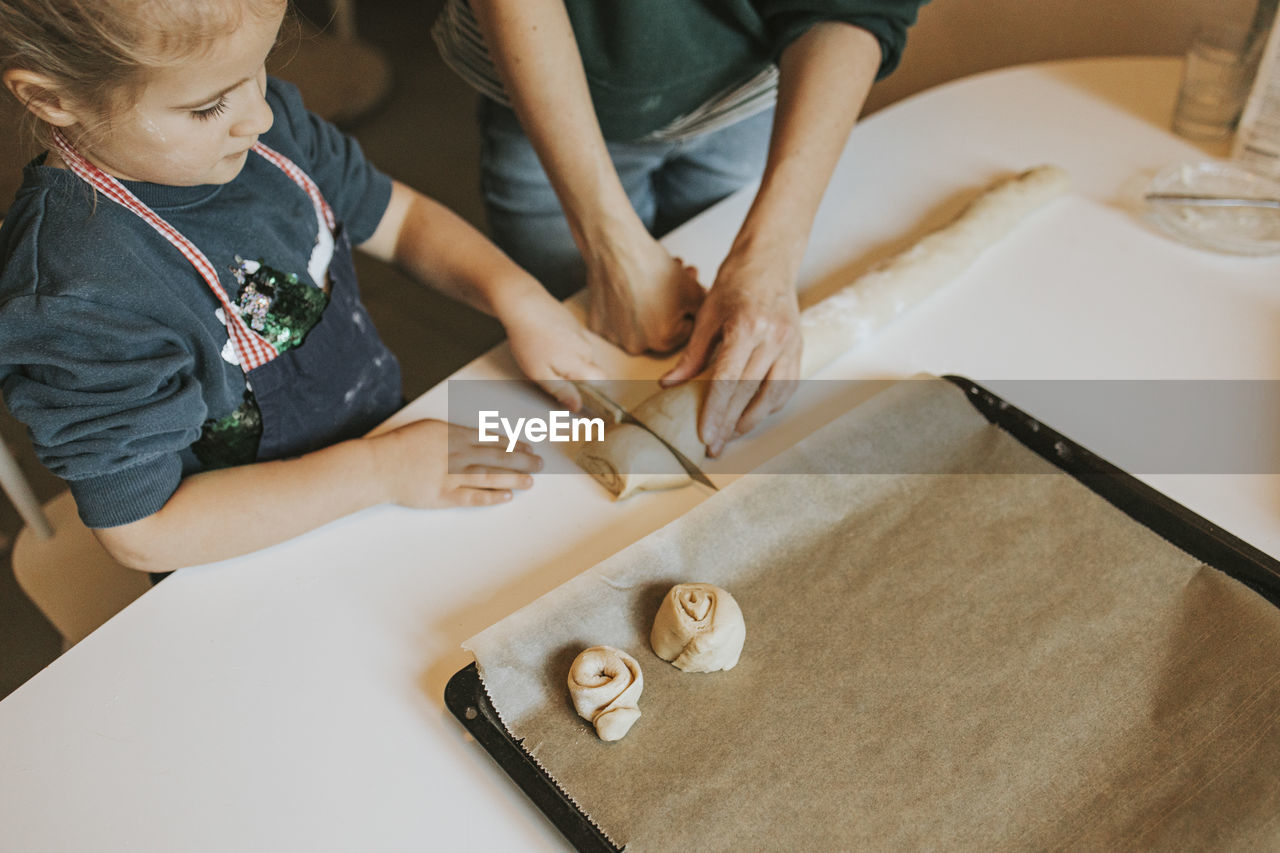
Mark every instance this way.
x=276 y=305
x=231 y=440
x=283 y=310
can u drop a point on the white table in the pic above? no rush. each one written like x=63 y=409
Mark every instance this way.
x=291 y=700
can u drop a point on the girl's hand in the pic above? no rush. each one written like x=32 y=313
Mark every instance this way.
x=641 y=298
x=431 y=464
x=551 y=346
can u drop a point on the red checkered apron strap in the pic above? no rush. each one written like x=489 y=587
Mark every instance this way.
x=252 y=350
x=323 y=212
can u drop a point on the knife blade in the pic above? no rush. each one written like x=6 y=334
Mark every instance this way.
x=599 y=403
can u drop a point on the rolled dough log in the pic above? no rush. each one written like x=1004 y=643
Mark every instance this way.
x=630 y=460
x=605 y=684
x=699 y=628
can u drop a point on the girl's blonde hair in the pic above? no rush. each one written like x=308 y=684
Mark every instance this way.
x=98 y=52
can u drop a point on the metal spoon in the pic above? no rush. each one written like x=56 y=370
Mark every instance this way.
x=1213 y=200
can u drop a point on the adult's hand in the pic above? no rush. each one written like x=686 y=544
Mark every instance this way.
x=751 y=311
x=748 y=332
x=641 y=298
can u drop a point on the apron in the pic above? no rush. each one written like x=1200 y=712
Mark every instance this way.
x=339 y=383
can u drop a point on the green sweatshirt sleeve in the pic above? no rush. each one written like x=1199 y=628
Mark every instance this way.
x=887 y=20
x=109 y=399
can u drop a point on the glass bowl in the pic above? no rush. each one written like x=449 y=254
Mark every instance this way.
x=1233 y=230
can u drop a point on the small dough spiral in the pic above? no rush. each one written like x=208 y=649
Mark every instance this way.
x=699 y=628
x=605 y=684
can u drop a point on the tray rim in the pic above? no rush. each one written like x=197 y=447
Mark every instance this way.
x=1154 y=510
x=466 y=697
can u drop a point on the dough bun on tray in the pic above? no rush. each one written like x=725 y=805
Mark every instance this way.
x=605 y=685
x=699 y=628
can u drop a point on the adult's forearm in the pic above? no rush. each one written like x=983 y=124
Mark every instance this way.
x=536 y=55
x=825 y=75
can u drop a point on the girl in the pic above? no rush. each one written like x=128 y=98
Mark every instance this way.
x=179 y=322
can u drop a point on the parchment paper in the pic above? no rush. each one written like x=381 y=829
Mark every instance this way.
x=946 y=661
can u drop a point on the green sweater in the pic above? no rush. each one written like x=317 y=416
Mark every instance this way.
x=651 y=61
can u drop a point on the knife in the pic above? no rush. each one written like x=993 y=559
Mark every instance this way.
x=600 y=404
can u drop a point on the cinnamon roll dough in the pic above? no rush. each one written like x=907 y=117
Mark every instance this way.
x=605 y=684
x=699 y=628
x=630 y=460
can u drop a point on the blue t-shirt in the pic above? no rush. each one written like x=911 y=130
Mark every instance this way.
x=112 y=348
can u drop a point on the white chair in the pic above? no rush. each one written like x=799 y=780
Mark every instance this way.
x=18 y=490
x=69 y=576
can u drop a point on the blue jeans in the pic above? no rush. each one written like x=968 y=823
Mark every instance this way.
x=667 y=182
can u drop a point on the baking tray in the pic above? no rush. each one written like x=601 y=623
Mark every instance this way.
x=466 y=698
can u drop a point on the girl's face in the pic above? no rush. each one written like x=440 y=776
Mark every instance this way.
x=194 y=121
